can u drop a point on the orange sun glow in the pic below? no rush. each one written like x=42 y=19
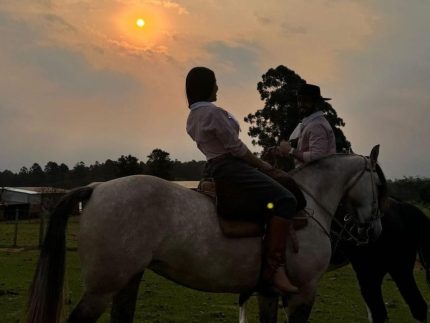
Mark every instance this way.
x=142 y=26
x=140 y=23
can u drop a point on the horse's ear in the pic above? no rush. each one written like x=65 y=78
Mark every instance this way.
x=374 y=155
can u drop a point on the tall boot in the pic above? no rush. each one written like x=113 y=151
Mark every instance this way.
x=273 y=272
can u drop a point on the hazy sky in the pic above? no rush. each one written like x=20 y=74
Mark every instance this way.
x=80 y=81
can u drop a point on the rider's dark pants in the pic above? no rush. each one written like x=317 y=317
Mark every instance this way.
x=245 y=192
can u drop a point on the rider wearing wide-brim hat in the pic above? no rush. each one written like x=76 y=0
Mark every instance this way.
x=231 y=164
x=314 y=135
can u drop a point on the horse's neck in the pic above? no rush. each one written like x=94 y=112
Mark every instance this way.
x=326 y=182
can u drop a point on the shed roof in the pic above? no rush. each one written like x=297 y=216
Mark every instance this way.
x=36 y=190
x=19 y=190
x=45 y=189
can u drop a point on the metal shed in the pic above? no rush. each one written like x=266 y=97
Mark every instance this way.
x=28 y=201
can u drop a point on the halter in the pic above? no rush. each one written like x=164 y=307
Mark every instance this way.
x=348 y=219
x=375 y=210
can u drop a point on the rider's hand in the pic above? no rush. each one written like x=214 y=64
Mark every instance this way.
x=265 y=167
x=284 y=148
x=276 y=173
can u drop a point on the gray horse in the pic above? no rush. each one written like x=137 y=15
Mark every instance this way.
x=138 y=222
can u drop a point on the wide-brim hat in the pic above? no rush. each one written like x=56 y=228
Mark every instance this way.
x=312 y=91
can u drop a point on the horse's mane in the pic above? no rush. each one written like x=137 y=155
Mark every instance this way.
x=382 y=186
x=318 y=161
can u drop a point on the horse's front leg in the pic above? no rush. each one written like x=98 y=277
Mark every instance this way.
x=268 y=308
x=300 y=305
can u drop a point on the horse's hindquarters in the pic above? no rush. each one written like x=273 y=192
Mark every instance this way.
x=140 y=221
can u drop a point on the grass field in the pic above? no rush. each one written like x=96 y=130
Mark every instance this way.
x=163 y=301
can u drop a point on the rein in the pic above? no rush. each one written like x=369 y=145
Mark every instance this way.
x=344 y=229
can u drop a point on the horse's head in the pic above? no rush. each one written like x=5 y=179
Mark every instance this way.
x=365 y=197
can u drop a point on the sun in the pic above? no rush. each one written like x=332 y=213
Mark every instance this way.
x=140 y=23
x=141 y=27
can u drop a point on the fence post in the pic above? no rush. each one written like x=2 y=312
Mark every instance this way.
x=15 y=238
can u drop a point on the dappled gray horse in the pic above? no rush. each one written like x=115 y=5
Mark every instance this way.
x=138 y=222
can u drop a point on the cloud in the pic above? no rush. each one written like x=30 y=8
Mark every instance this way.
x=264 y=20
x=181 y=10
x=65 y=68
x=56 y=20
x=386 y=98
x=14 y=32
x=238 y=60
x=130 y=49
x=73 y=75
x=293 y=29
x=168 y=4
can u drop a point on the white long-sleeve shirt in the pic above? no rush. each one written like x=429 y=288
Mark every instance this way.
x=215 y=131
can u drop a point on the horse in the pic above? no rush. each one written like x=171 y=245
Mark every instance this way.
x=405 y=233
x=143 y=222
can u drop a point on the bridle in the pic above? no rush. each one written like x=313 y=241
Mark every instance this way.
x=375 y=215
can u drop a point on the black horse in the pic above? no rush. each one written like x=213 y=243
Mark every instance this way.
x=406 y=233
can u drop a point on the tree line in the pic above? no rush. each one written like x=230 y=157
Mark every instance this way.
x=414 y=189
x=60 y=175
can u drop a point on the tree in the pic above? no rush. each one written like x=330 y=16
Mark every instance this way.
x=64 y=169
x=52 y=172
x=35 y=169
x=191 y=170
x=100 y=172
x=280 y=115
x=79 y=175
x=23 y=171
x=129 y=165
x=36 y=175
x=22 y=177
x=7 y=178
x=159 y=164
x=80 y=170
x=425 y=194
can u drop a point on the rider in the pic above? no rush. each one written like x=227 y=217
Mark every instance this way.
x=216 y=133
x=315 y=139
x=315 y=135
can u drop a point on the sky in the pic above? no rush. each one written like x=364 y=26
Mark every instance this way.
x=81 y=82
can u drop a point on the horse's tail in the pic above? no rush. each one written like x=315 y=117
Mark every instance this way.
x=420 y=228
x=46 y=292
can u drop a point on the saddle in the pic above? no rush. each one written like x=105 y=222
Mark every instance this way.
x=241 y=228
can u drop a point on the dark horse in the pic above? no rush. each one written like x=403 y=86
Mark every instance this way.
x=405 y=233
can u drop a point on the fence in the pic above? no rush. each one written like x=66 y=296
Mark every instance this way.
x=29 y=233
x=19 y=231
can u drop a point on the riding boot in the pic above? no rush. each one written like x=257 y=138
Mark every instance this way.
x=273 y=272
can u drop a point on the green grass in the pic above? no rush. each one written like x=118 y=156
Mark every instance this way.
x=425 y=209
x=162 y=301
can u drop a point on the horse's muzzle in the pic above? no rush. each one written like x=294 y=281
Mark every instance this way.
x=375 y=230
x=369 y=232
